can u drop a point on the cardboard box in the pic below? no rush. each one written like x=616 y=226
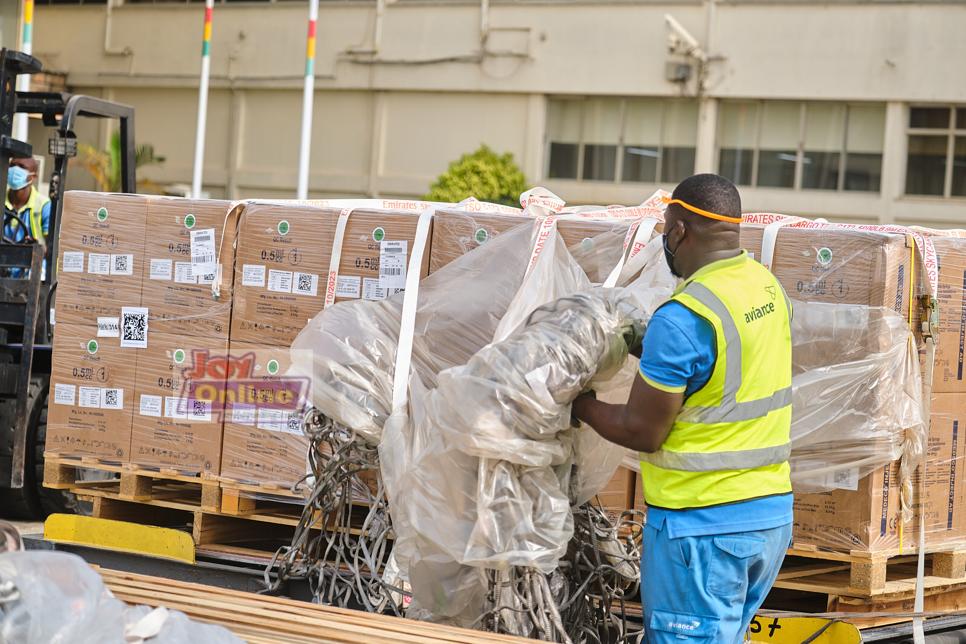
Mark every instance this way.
x=618 y=495
x=91 y=395
x=282 y=265
x=262 y=443
x=456 y=233
x=101 y=255
x=180 y=257
x=866 y=517
x=949 y=375
x=178 y=415
x=839 y=266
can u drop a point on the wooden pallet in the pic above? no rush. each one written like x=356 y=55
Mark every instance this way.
x=259 y=619
x=869 y=574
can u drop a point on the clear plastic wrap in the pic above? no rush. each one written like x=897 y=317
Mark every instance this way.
x=57 y=598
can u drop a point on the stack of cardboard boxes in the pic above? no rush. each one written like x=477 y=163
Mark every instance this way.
x=882 y=269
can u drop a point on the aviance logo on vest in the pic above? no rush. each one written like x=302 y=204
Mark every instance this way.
x=759 y=312
x=731 y=440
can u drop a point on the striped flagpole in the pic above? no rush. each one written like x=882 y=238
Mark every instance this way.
x=23 y=81
x=202 y=102
x=308 y=96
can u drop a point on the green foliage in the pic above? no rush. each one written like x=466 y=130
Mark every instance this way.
x=105 y=165
x=484 y=174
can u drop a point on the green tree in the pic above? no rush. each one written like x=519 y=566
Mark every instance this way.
x=105 y=165
x=484 y=174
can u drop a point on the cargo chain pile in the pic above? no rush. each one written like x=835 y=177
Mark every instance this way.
x=374 y=395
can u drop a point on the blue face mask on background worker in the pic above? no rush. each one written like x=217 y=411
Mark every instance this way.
x=17 y=178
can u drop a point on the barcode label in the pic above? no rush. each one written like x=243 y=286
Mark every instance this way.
x=122 y=264
x=98 y=264
x=89 y=397
x=134 y=327
x=73 y=262
x=175 y=407
x=280 y=281
x=150 y=406
x=203 y=251
x=243 y=414
x=108 y=327
x=209 y=278
x=199 y=411
x=160 y=269
x=392 y=264
x=253 y=275
x=64 y=394
x=305 y=284
x=183 y=273
x=348 y=286
x=112 y=398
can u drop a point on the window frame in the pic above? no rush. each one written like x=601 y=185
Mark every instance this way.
x=950 y=132
x=664 y=103
x=797 y=183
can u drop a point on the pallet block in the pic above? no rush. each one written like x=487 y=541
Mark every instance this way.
x=865 y=574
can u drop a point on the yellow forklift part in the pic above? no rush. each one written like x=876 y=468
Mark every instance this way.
x=795 y=630
x=134 y=538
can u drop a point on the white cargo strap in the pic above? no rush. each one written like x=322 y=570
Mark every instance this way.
x=407 y=324
x=335 y=258
x=471 y=204
x=769 y=238
x=641 y=236
x=216 y=283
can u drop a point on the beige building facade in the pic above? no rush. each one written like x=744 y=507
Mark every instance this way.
x=845 y=110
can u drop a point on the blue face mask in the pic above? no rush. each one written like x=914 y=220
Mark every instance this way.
x=17 y=178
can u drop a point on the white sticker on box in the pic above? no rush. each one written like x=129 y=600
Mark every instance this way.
x=134 y=327
x=150 y=405
x=199 y=411
x=183 y=273
x=161 y=269
x=73 y=262
x=270 y=419
x=392 y=264
x=371 y=289
x=292 y=422
x=348 y=286
x=89 y=396
x=243 y=414
x=253 y=275
x=122 y=264
x=209 y=278
x=203 y=251
x=305 y=284
x=280 y=281
x=108 y=327
x=844 y=479
x=98 y=264
x=112 y=398
x=175 y=407
x=64 y=394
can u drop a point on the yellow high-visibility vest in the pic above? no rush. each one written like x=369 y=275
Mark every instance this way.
x=34 y=208
x=731 y=440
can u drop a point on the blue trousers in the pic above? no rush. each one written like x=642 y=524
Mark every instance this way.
x=707 y=589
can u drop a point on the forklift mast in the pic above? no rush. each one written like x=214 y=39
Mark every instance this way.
x=26 y=294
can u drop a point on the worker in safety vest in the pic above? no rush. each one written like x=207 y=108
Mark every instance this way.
x=710 y=415
x=24 y=199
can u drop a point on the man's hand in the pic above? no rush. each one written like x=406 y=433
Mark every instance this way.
x=641 y=425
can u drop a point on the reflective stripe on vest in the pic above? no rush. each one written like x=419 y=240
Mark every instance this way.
x=35 y=217
x=730 y=409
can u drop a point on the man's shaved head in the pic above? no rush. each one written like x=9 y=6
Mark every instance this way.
x=710 y=192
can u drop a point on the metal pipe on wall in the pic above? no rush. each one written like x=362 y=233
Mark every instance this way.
x=202 y=102
x=20 y=126
x=308 y=96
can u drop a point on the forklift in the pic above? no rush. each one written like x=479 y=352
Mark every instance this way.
x=28 y=284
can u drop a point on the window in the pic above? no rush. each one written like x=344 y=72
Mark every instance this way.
x=806 y=146
x=631 y=140
x=936 y=156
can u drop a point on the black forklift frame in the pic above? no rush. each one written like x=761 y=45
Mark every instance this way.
x=21 y=299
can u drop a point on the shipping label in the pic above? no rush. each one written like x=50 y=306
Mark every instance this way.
x=392 y=264
x=73 y=262
x=253 y=275
x=160 y=270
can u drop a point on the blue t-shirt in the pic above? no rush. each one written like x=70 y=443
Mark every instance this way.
x=678 y=355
